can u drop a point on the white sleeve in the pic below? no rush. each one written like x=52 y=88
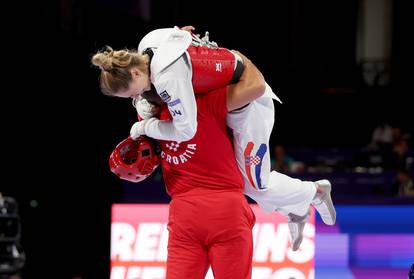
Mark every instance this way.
x=175 y=88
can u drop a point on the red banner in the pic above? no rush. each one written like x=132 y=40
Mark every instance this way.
x=139 y=240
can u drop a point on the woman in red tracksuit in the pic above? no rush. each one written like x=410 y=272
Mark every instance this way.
x=210 y=221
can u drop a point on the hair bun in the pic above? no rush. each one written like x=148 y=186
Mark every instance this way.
x=103 y=60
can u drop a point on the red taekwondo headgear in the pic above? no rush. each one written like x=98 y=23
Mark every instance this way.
x=134 y=160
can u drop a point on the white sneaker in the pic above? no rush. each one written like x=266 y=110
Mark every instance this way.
x=296 y=225
x=323 y=202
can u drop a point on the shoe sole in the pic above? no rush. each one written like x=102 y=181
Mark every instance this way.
x=296 y=228
x=325 y=207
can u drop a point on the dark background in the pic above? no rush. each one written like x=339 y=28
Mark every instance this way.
x=61 y=129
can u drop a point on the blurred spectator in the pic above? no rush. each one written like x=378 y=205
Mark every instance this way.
x=400 y=134
x=284 y=163
x=400 y=154
x=397 y=134
x=388 y=148
x=404 y=186
x=281 y=163
x=379 y=150
x=382 y=136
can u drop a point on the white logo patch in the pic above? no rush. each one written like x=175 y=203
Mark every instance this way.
x=218 y=67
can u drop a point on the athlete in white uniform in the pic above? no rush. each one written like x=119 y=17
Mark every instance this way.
x=251 y=125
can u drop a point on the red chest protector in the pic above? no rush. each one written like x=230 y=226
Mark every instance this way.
x=213 y=68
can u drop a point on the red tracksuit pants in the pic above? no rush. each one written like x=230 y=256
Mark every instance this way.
x=210 y=229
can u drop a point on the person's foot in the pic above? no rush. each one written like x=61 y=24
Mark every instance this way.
x=296 y=225
x=323 y=202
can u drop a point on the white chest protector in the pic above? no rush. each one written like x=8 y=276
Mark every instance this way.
x=168 y=44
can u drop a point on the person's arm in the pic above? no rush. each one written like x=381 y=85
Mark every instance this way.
x=250 y=86
x=175 y=88
x=183 y=125
x=183 y=109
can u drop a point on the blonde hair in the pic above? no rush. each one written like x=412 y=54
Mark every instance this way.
x=116 y=68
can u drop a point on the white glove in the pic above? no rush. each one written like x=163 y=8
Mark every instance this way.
x=138 y=129
x=144 y=109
